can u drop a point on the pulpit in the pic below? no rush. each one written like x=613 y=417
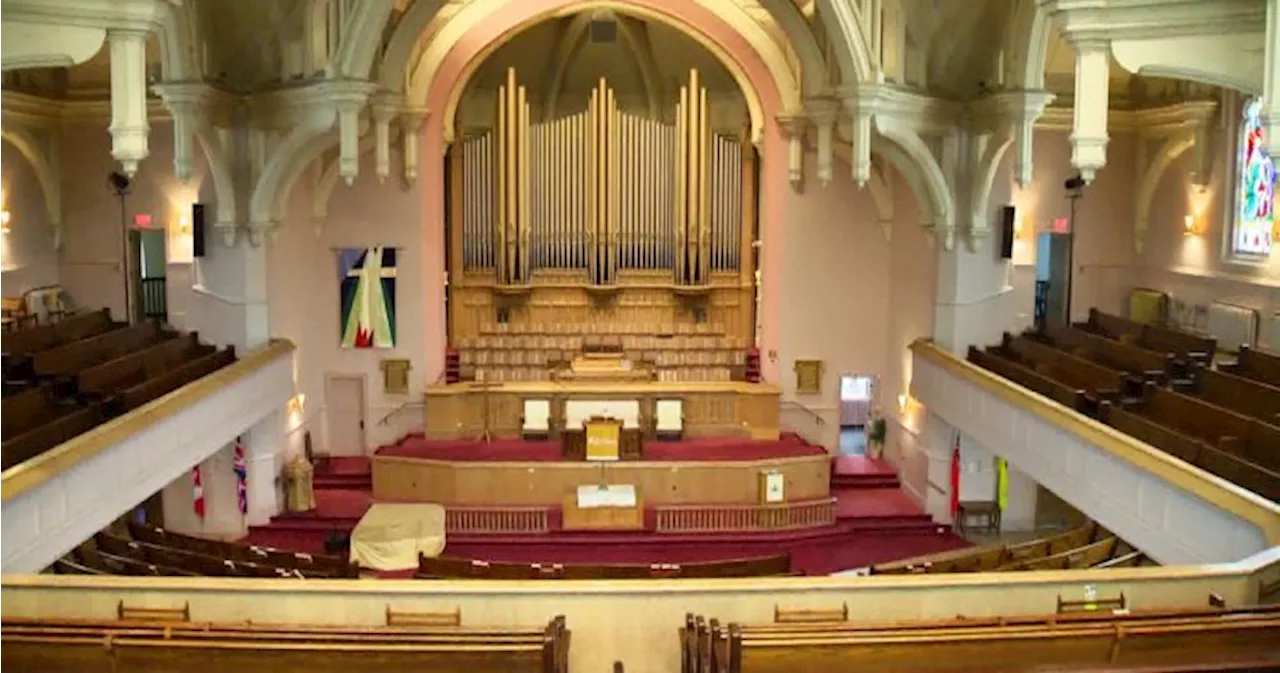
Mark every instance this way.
x=602 y=439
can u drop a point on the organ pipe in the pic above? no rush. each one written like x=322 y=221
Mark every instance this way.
x=603 y=190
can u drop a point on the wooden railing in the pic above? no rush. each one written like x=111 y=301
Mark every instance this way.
x=740 y=518
x=496 y=520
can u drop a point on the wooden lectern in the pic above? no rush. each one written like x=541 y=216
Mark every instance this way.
x=602 y=439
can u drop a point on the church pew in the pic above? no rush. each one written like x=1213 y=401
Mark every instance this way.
x=1080 y=557
x=979 y=559
x=36 y=441
x=32 y=340
x=138 y=395
x=146 y=647
x=1152 y=337
x=1145 y=641
x=1248 y=438
x=1130 y=560
x=1150 y=365
x=1237 y=470
x=1256 y=364
x=196 y=562
x=458 y=568
x=64 y=566
x=70 y=358
x=1240 y=394
x=317 y=564
x=1103 y=382
x=110 y=377
x=1072 y=398
x=27 y=410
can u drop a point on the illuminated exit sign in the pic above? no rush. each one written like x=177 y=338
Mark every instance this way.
x=142 y=220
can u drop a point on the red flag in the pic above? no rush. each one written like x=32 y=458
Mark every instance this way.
x=197 y=492
x=955 y=478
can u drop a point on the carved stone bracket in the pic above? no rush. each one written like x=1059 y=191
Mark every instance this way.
x=385 y=107
x=348 y=98
x=129 y=127
x=794 y=126
x=824 y=113
x=411 y=120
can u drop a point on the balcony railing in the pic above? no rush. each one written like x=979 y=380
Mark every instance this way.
x=746 y=518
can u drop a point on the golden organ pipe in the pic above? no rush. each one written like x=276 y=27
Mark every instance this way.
x=500 y=169
x=522 y=147
x=681 y=184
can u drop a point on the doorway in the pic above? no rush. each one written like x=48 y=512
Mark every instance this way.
x=148 y=264
x=855 y=412
x=344 y=411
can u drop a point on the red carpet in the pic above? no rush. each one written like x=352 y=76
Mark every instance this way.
x=414 y=446
x=876 y=520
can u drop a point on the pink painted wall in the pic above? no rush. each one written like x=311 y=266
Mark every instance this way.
x=28 y=258
x=1195 y=269
x=89 y=267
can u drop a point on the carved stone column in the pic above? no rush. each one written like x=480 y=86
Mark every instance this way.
x=1271 y=80
x=824 y=114
x=385 y=107
x=1089 y=130
x=128 y=97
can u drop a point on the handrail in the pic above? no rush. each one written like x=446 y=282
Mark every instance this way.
x=816 y=416
x=404 y=405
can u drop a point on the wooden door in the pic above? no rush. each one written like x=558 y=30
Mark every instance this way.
x=344 y=406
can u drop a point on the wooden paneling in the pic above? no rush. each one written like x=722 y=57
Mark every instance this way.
x=747 y=410
x=544 y=483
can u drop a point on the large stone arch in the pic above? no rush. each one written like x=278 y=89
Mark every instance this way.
x=397 y=67
x=907 y=151
x=1026 y=46
x=452 y=68
x=44 y=163
x=534 y=11
x=1172 y=148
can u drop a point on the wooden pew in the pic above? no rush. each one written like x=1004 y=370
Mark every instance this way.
x=1081 y=557
x=1150 y=365
x=309 y=564
x=1235 y=433
x=1072 y=398
x=28 y=410
x=457 y=568
x=1152 y=337
x=1237 y=393
x=200 y=563
x=36 y=441
x=1237 y=470
x=108 y=378
x=1255 y=364
x=138 y=395
x=32 y=340
x=68 y=359
x=978 y=559
x=1099 y=640
x=137 y=646
x=1061 y=366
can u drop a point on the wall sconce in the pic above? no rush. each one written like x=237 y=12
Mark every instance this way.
x=297 y=403
x=4 y=221
x=184 y=224
x=1191 y=225
x=902 y=403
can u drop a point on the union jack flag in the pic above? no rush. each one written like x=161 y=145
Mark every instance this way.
x=241 y=468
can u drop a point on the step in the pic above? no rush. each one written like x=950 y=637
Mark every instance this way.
x=865 y=481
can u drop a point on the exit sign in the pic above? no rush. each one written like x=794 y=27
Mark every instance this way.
x=142 y=220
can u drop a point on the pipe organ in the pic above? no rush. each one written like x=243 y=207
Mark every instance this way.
x=602 y=220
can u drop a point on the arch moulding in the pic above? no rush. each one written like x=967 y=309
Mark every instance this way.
x=43 y=158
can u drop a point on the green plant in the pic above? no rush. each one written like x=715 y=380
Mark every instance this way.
x=876 y=431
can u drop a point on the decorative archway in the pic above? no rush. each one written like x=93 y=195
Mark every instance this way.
x=458 y=49
x=43 y=161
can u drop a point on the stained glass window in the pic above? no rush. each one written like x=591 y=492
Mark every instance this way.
x=1256 y=188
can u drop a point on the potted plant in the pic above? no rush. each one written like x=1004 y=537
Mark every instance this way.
x=876 y=432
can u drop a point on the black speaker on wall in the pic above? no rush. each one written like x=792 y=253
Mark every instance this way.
x=197 y=229
x=1007 y=215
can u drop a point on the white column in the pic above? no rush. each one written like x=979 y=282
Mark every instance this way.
x=1089 y=130
x=222 y=519
x=1271 y=80
x=128 y=97
x=264 y=445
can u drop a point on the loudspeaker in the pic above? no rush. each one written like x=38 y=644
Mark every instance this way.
x=1007 y=215
x=197 y=229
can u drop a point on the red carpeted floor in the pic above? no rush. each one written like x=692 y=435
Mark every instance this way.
x=876 y=520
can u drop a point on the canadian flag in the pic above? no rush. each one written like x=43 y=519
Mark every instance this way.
x=197 y=492
x=955 y=477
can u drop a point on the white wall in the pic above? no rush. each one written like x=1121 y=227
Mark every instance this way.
x=27 y=256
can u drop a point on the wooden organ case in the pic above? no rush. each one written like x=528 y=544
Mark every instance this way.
x=602 y=232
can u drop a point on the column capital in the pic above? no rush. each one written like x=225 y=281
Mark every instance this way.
x=822 y=111
x=412 y=118
x=793 y=124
